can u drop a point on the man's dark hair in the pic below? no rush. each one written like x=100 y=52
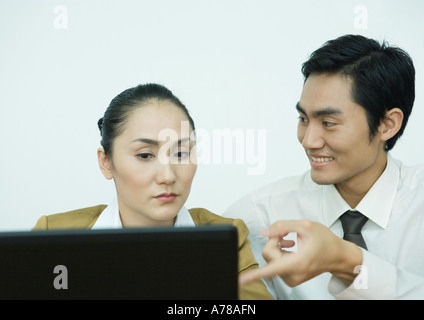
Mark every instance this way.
x=383 y=77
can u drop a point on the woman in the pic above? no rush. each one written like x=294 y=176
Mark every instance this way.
x=148 y=149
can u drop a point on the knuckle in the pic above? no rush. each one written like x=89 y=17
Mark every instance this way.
x=307 y=224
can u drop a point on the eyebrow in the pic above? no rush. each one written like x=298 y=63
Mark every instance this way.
x=319 y=113
x=155 y=142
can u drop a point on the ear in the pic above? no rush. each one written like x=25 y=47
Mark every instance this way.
x=104 y=163
x=391 y=124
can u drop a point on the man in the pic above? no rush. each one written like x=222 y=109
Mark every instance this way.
x=355 y=104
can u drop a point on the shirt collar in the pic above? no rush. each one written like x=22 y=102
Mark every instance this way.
x=110 y=218
x=184 y=219
x=377 y=203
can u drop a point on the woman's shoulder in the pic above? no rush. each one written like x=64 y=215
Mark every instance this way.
x=203 y=216
x=255 y=290
x=76 y=219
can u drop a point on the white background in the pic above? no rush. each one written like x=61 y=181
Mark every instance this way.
x=235 y=64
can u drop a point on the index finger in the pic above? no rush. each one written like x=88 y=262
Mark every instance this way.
x=282 y=267
x=268 y=271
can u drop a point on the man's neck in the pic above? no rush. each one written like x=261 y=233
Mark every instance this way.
x=355 y=188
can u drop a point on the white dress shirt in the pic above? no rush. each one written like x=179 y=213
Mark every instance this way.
x=394 y=233
x=110 y=218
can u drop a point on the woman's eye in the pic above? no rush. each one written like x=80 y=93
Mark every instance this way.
x=181 y=154
x=145 y=156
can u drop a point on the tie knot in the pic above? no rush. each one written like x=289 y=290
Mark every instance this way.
x=352 y=222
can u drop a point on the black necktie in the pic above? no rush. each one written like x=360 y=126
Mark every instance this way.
x=352 y=223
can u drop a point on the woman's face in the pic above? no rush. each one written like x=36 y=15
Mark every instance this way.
x=153 y=164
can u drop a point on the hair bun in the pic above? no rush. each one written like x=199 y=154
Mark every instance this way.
x=100 y=124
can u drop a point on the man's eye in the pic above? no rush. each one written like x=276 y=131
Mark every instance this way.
x=302 y=119
x=328 y=124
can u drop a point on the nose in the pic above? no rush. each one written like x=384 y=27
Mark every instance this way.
x=311 y=137
x=165 y=173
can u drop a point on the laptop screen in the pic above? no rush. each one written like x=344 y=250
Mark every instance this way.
x=140 y=263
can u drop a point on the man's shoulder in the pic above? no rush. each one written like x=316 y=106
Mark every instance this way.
x=412 y=176
x=285 y=186
x=284 y=190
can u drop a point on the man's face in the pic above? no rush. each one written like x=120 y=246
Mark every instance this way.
x=335 y=135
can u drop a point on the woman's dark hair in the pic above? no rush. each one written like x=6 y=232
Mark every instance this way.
x=383 y=77
x=111 y=125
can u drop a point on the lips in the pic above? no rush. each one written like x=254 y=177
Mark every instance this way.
x=320 y=160
x=166 y=197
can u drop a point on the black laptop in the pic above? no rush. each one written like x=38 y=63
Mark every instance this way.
x=140 y=263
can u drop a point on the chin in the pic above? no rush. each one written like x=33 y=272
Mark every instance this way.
x=167 y=213
x=322 y=180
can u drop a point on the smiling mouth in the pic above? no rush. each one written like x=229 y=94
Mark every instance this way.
x=322 y=159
